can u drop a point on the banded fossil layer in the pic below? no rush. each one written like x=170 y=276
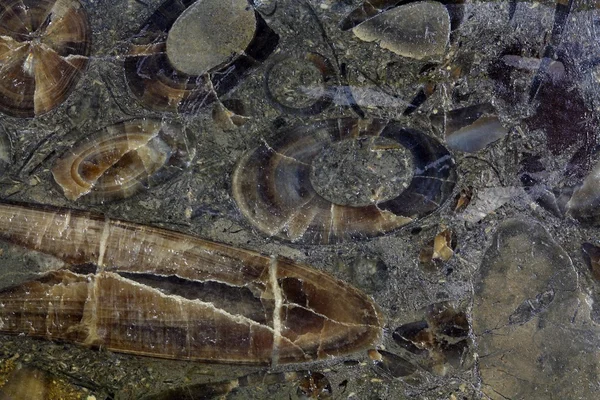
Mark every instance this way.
x=149 y=291
x=159 y=85
x=123 y=159
x=44 y=47
x=273 y=189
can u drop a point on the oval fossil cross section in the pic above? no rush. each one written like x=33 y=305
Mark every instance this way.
x=153 y=77
x=273 y=189
x=44 y=47
x=122 y=159
x=166 y=294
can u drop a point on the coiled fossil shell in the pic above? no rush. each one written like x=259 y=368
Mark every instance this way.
x=122 y=159
x=273 y=189
x=323 y=97
x=155 y=292
x=150 y=66
x=44 y=47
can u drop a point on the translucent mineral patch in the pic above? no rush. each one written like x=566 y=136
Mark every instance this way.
x=471 y=129
x=415 y=30
x=489 y=200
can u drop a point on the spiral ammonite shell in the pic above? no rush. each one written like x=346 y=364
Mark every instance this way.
x=273 y=189
x=44 y=47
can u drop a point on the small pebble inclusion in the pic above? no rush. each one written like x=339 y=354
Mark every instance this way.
x=509 y=89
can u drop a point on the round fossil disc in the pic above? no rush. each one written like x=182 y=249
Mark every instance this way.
x=416 y=30
x=209 y=33
x=44 y=47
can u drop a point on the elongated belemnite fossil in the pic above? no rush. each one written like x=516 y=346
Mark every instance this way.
x=150 y=291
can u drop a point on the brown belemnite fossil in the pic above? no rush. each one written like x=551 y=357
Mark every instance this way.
x=44 y=47
x=230 y=39
x=273 y=189
x=162 y=293
x=122 y=159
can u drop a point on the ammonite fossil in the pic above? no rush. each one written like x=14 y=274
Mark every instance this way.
x=313 y=69
x=273 y=189
x=164 y=78
x=44 y=47
x=122 y=159
x=149 y=291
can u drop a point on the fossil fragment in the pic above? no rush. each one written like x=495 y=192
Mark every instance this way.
x=122 y=159
x=44 y=47
x=591 y=255
x=555 y=70
x=488 y=200
x=391 y=363
x=152 y=65
x=463 y=199
x=438 y=250
x=415 y=30
x=229 y=114
x=5 y=150
x=440 y=341
x=584 y=203
x=27 y=383
x=161 y=293
x=472 y=128
x=313 y=74
x=273 y=189
x=314 y=385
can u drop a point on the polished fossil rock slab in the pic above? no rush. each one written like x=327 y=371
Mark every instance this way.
x=273 y=188
x=44 y=48
x=123 y=159
x=151 y=68
x=149 y=291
